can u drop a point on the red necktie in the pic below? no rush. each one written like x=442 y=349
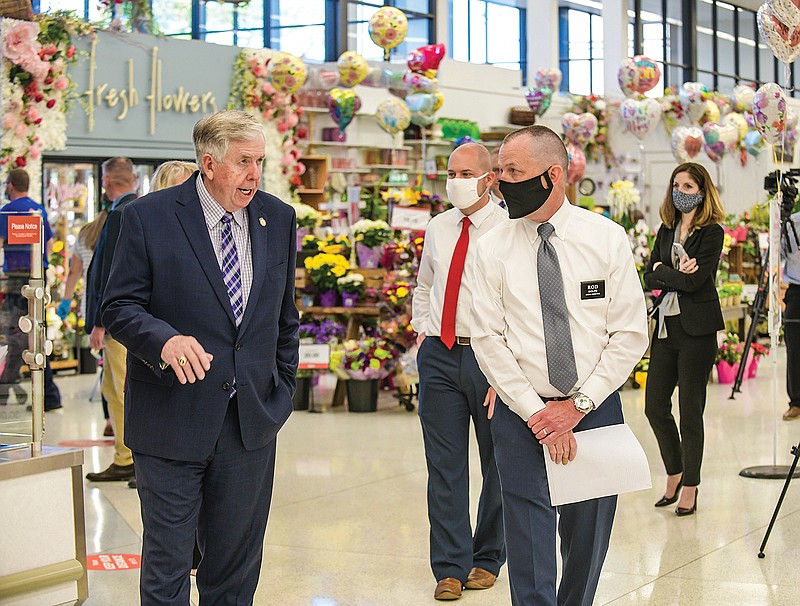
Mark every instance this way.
x=448 y=333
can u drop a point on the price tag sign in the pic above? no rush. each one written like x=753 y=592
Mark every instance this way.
x=24 y=229
x=314 y=356
x=408 y=217
x=430 y=169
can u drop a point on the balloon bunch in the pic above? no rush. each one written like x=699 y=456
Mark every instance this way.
x=579 y=129
x=343 y=103
x=539 y=96
x=423 y=98
x=636 y=76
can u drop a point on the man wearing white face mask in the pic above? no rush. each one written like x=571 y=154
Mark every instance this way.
x=452 y=387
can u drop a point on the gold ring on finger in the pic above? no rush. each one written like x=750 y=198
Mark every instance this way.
x=182 y=361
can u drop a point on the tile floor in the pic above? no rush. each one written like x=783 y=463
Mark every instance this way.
x=349 y=526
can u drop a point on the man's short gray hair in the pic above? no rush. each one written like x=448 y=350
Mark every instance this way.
x=213 y=134
x=544 y=142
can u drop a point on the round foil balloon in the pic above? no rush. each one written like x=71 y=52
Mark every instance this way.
x=577 y=164
x=419 y=83
x=782 y=40
x=352 y=67
x=739 y=122
x=538 y=98
x=640 y=117
x=719 y=139
x=692 y=101
x=343 y=105
x=438 y=101
x=388 y=28
x=742 y=97
x=286 y=72
x=687 y=142
x=769 y=111
x=711 y=113
x=579 y=129
x=426 y=58
x=421 y=102
x=637 y=75
x=551 y=78
x=393 y=116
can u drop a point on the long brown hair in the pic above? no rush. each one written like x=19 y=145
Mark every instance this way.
x=91 y=231
x=710 y=210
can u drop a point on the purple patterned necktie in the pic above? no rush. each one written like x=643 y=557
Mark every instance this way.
x=232 y=275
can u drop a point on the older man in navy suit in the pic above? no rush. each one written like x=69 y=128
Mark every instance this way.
x=201 y=294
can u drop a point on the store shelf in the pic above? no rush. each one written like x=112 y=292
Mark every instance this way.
x=390 y=167
x=349 y=170
x=354 y=145
x=436 y=142
x=354 y=311
x=303 y=190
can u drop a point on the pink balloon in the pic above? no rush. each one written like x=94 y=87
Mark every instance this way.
x=426 y=58
x=577 y=164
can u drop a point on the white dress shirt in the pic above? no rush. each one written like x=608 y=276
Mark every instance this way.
x=440 y=242
x=609 y=333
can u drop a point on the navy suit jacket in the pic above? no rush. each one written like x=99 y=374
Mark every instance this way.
x=165 y=281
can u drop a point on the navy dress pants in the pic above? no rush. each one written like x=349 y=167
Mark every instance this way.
x=223 y=502
x=451 y=393
x=530 y=520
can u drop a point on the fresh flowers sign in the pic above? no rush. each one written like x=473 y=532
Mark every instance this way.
x=35 y=83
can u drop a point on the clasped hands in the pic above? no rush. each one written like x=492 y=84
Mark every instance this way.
x=552 y=426
x=686 y=265
x=187 y=358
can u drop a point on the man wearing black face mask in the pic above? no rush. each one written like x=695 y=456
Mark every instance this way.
x=558 y=323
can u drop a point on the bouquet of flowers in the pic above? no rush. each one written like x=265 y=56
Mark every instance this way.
x=325 y=269
x=730 y=350
x=396 y=293
x=371 y=233
x=369 y=358
x=641 y=239
x=398 y=328
x=351 y=283
x=398 y=254
x=759 y=350
x=307 y=216
x=322 y=330
x=622 y=196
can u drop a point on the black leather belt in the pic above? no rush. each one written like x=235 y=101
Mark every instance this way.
x=462 y=340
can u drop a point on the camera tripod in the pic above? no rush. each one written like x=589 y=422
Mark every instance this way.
x=789 y=476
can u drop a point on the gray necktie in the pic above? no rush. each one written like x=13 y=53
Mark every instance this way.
x=558 y=341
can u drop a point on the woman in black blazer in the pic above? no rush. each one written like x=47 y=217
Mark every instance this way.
x=688 y=317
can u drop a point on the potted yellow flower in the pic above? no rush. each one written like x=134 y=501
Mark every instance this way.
x=370 y=238
x=324 y=270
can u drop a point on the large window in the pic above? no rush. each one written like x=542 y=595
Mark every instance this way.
x=581 y=51
x=308 y=28
x=487 y=31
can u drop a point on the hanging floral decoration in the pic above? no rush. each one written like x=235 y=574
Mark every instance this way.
x=279 y=113
x=598 y=148
x=672 y=112
x=36 y=83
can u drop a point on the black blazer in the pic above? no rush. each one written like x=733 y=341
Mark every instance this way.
x=166 y=281
x=697 y=293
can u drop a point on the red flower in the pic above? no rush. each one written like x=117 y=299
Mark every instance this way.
x=38 y=98
x=51 y=103
x=20 y=162
x=48 y=80
x=70 y=52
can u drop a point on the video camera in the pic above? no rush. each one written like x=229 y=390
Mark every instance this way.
x=787 y=182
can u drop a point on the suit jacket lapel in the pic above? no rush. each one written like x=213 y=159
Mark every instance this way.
x=191 y=217
x=259 y=235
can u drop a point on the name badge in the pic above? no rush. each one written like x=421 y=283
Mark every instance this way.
x=594 y=289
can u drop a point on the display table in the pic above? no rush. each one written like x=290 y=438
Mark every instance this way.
x=42 y=527
x=740 y=313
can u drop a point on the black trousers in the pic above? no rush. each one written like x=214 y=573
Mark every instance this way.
x=452 y=390
x=685 y=361
x=791 y=335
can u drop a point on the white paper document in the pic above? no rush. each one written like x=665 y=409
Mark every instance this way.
x=610 y=461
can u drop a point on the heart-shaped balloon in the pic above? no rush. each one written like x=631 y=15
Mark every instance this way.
x=719 y=139
x=782 y=40
x=687 y=141
x=393 y=116
x=343 y=105
x=352 y=67
x=549 y=77
x=426 y=58
x=691 y=95
x=577 y=164
x=787 y=11
x=579 y=129
x=769 y=111
x=640 y=116
x=739 y=122
x=637 y=75
x=538 y=98
x=742 y=97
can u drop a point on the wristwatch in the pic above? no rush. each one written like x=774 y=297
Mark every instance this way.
x=583 y=403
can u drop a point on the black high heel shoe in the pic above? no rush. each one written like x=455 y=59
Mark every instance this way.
x=684 y=511
x=664 y=501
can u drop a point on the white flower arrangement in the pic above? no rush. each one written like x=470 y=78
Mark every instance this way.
x=371 y=233
x=351 y=283
x=640 y=237
x=622 y=195
x=307 y=216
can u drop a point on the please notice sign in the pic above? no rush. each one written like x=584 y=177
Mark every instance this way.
x=25 y=229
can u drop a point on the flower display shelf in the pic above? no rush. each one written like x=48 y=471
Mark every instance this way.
x=340 y=310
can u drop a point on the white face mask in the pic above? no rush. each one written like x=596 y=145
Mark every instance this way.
x=463 y=193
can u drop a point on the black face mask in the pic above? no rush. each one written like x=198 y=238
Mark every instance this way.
x=526 y=197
